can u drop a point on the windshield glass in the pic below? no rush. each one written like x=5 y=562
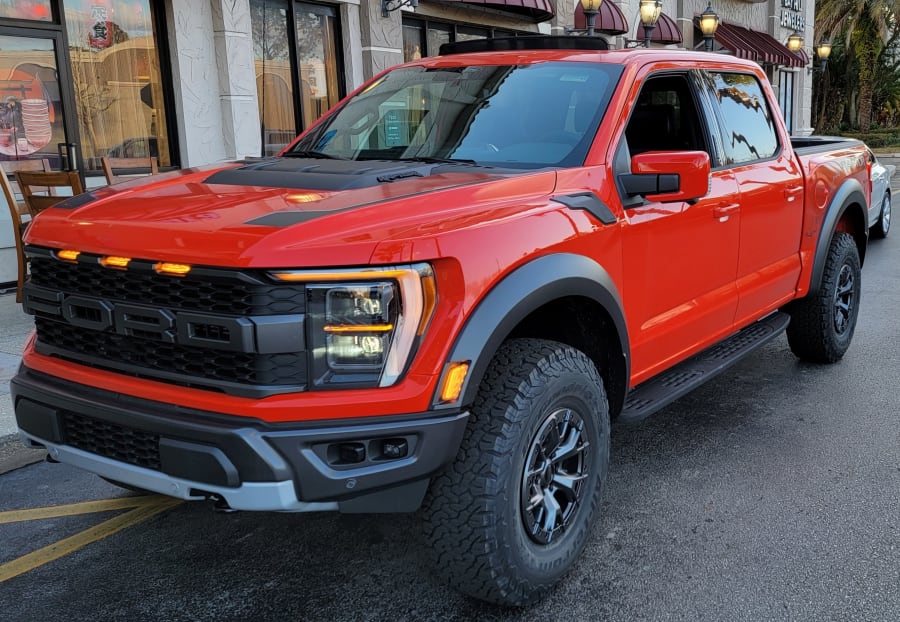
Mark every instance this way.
x=531 y=116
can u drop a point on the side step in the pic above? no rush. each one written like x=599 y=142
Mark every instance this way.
x=660 y=391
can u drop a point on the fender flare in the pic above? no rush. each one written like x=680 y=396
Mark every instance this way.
x=521 y=292
x=849 y=193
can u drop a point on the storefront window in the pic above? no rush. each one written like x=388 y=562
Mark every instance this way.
x=412 y=42
x=317 y=57
x=470 y=34
x=312 y=86
x=786 y=98
x=116 y=80
x=26 y=9
x=30 y=107
x=439 y=33
x=271 y=53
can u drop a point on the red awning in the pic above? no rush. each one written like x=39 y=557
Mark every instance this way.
x=757 y=46
x=610 y=20
x=666 y=31
x=534 y=10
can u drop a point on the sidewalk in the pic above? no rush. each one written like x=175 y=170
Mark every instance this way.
x=14 y=329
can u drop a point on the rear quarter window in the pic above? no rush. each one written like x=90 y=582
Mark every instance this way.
x=746 y=124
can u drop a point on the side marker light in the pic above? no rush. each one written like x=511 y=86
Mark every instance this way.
x=453 y=381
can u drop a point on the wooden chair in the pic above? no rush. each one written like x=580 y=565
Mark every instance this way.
x=38 y=188
x=17 y=210
x=122 y=169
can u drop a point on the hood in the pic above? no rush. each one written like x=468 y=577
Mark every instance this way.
x=274 y=212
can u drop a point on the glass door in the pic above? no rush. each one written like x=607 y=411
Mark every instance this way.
x=33 y=111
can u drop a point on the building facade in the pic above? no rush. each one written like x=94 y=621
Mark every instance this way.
x=200 y=81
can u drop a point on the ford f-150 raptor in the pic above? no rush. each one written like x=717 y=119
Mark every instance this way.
x=441 y=293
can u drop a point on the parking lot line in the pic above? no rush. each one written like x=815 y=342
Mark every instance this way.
x=141 y=512
x=74 y=509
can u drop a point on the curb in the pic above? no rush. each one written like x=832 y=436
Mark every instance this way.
x=15 y=455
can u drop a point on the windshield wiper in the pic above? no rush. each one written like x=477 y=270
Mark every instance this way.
x=430 y=160
x=312 y=154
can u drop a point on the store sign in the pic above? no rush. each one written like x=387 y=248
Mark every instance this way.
x=100 y=35
x=792 y=15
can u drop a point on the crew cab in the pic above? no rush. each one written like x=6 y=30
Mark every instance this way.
x=440 y=295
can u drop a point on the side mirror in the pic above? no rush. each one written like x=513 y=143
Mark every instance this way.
x=668 y=176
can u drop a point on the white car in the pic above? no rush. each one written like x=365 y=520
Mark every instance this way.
x=880 y=207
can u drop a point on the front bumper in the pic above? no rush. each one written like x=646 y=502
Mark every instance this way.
x=245 y=463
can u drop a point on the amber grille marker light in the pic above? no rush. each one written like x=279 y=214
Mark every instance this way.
x=172 y=269
x=68 y=255
x=115 y=262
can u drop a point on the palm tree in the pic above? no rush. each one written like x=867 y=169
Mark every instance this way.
x=865 y=24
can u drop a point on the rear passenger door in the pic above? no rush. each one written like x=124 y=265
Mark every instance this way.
x=679 y=259
x=755 y=151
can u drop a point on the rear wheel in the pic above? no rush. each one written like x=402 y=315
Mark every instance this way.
x=512 y=514
x=883 y=226
x=822 y=324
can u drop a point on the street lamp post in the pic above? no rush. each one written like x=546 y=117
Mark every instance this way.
x=709 y=24
x=823 y=51
x=591 y=8
x=650 y=10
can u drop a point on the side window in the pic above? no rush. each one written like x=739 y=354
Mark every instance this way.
x=665 y=118
x=747 y=126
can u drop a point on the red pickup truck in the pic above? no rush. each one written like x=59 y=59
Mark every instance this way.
x=440 y=295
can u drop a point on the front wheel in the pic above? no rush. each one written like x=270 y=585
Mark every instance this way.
x=881 y=228
x=512 y=514
x=822 y=324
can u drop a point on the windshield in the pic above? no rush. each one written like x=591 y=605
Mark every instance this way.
x=531 y=116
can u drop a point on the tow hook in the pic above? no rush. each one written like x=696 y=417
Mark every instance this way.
x=220 y=505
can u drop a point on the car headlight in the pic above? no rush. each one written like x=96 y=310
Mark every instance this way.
x=362 y=326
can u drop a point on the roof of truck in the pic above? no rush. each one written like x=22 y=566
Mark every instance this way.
x=631 y=56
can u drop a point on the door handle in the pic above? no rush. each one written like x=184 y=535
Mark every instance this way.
x=792 y=192
x=721 y=212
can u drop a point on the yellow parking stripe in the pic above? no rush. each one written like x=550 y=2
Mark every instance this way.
x=71 y=544
x=74 y=509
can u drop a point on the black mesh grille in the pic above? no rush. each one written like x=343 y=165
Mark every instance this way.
x=106 y=349
x=214 y=339
x=218 y=291
x=111 y=441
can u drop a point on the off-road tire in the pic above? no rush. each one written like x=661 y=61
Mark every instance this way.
x=822 y=324
x=881 y=228
x=480 y=513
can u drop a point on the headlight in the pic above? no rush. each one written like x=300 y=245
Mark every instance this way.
x=362 y=326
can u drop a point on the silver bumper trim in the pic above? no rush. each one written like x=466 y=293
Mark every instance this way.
x=254 y=496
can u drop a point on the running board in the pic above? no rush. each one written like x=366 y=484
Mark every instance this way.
x=660 y=391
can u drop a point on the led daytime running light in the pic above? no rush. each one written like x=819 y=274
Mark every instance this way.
x=314 y=277
x=363 y=328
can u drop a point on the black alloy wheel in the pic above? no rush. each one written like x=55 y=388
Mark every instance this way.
x=553 y=480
